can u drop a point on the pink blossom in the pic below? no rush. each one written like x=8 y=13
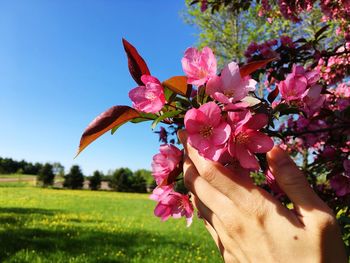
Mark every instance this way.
x=295 y=84
x=161 y=192
x=313 y=100
x=149 y=98
x=165 y=162
x=199 y=66
x=247 y=140
x=175 y=205
x=230 y=86
x=340 y=184
x=207 y=131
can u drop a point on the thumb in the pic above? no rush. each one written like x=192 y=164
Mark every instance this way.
x=182 y=135
x=292 y=181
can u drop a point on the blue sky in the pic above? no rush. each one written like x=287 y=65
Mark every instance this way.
x=62 y=63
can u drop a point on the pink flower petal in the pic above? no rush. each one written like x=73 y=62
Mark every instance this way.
x=194 y=119
x=259 y=142
x=213 y=113
x=213 y=153
x=230 y=76
x=221 y=134
x=147 y=78
x=245 y=158
x=162 y=211
x=257 y=121
x=220 y=97
x=198 y=142
x=199 y=66
x=213 y=85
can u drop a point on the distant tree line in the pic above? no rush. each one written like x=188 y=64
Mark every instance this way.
x=10 y=166
x=121 y=179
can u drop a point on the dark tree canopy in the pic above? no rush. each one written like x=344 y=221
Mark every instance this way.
x=46 y=176
x=74 y=179
x=95 y=180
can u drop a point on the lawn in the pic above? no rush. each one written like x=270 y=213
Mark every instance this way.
x=47 y=225
x=17 y=176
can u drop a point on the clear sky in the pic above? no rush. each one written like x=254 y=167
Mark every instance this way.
x=62 y=63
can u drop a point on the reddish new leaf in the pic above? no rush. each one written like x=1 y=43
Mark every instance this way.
x=272 y=95
x=249 y=68
x=137 y=65
x=178 y=84
x=107 y=120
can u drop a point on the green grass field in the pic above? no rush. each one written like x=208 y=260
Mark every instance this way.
x=46 y=225
x=18 y=176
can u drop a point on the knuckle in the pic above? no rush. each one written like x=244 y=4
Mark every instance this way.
x=234 y=229
x=231 y=223
x=255 y=206
x=259 y=212
x=293 y=181
x=209 y=173
x=325 y=219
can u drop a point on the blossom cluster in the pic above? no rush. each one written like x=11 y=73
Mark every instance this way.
x=224 y=123
x=334 y=68
x=227 y=122
x=291 y=10
x=326 y=138
x=222 y=128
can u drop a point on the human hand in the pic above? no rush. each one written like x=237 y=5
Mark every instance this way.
x=250 y=225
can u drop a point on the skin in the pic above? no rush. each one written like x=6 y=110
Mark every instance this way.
x=249 y=225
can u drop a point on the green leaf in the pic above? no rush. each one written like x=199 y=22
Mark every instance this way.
x=321 y=31
x=168 y=114
x=138 y=120
x=144 y=117
x=115 y=129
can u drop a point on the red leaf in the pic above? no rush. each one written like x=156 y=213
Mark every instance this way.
x=107 y=120
x=249 y=68
x=178 y=84
x=137 y=65
x=273 y=94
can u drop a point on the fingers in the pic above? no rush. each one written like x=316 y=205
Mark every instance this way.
x=207 y=216
x=233 y=182
x=227 y=180
x=291 y=180
x=210 y=170
x=210 y=196
x=228 y=247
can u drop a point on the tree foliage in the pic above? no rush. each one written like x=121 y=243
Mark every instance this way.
x=229 y=33
x=46 y=176
x=74 y=179
x=95 y=180
x=124 y=180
